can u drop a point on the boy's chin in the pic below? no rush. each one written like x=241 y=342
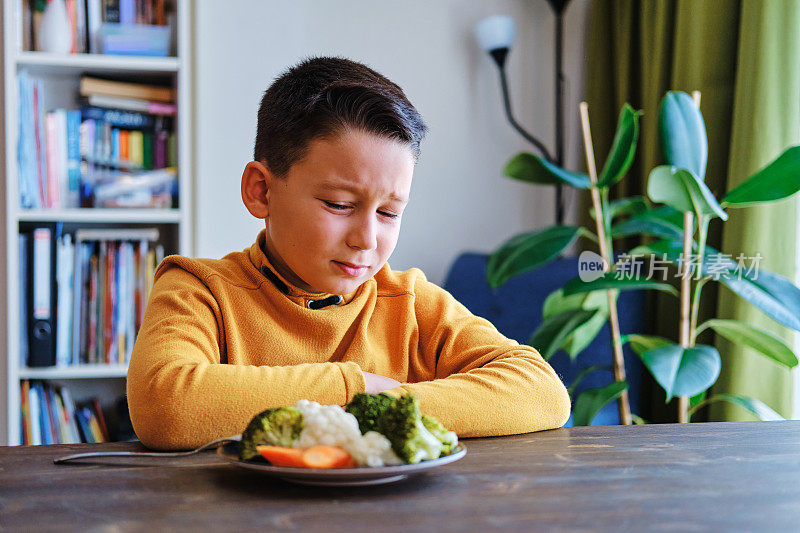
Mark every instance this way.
x=344 y=287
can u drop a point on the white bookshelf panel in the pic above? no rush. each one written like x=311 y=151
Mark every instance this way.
x=74 y=372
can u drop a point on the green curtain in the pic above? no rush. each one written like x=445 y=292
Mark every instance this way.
x=743 y=57
x=766 y=119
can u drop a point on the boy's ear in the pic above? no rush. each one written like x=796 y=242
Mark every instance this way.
x=256 y=182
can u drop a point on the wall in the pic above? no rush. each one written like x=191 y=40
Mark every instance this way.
x=460 y=200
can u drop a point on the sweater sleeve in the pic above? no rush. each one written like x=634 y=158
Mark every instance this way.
x=181 y=393
x=484 y=384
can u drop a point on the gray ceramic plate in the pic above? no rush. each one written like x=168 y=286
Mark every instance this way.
x=340 y=477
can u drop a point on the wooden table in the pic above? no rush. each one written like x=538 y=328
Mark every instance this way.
x=691 y=477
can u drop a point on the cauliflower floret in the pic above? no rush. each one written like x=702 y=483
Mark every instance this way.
x=333 y=426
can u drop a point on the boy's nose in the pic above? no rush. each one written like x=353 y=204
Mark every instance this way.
x=363 y=235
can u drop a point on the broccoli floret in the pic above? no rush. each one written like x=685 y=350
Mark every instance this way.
x=411 y=440
x=414 y=437
x=277 y=427
x=449 y=439
x=368 y=408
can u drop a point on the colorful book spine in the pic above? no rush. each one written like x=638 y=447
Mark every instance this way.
x=51 y=161
x=73 y=119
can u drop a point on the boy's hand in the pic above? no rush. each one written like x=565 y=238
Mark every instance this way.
x=377 y=383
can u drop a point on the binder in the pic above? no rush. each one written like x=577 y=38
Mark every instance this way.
x=42 y=268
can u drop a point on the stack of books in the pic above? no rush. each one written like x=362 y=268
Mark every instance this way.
x=123 y=131
x=50 y=416
x=83 y=294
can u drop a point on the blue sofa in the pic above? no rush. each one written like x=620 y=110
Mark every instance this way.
x=516 y=311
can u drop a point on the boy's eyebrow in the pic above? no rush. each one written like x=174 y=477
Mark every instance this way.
x=336 y=186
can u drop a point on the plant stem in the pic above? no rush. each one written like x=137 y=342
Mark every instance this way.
x=686 y=282
x=702 y=404
x=606 y=221
x=701 y=280
x=696 y=310
x=623 y=403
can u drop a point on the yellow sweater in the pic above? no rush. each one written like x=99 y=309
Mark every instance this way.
x=221 y=341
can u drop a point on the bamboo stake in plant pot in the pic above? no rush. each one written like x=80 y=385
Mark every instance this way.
x=686 y=288
x=623 y=403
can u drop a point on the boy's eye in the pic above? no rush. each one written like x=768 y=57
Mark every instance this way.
x=387 y=214
x=336 y=205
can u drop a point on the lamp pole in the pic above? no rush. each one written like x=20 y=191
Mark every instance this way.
x=559 y=6
x=496 y=35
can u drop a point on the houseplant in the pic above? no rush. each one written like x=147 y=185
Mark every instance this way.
x=680 y=207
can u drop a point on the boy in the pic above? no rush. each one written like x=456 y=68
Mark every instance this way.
x=312 y=309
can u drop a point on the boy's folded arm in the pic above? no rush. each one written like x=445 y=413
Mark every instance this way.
x=484 y=383
x=179 y=394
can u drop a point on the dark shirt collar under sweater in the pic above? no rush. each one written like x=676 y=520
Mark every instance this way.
x=305 y=298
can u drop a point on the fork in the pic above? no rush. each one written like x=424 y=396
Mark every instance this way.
x=206 y=446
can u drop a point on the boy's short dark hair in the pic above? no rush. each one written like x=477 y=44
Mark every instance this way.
x=324 y=96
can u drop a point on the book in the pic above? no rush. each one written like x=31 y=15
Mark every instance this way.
x=136 y=148
x=24 y=290
x=62 y=158
x=44 y=416
x=27 y=153
x=117 y=117
x=51 y=161
x=65 y=265
x=73 y=125
x=101 y=422
x=64 y=436
x=25 y=415
x=132 y=104
x=94 y=21
x=41 y=340
x=69 y=414
x=35 y=415
x=52 y=413
x=90 y=85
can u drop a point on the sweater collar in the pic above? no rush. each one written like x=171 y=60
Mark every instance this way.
x=260 y=260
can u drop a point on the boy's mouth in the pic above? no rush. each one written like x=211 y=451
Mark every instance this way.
x=350 y=269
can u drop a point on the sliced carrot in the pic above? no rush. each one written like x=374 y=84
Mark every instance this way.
x=281 y=455
x=327 y=457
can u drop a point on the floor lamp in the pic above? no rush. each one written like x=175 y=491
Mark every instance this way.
x=495 y=35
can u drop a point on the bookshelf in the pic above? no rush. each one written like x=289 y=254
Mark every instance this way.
x=60 y=75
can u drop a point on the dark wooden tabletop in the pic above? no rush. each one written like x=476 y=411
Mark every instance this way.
x=690 y=477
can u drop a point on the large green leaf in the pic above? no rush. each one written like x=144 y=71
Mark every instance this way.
x=579 y=339
x=759 y=340
x=774 y=294
x=590 y=401
x=609 y=281
x=683 y=133
x=683 y=190
x=683 y=371
x=623 y=148
x=534 y=169
x=642 y=344
x=756 y=407
x=780 y=179
x=526 y=251
x=552 y=333
x=648 y=224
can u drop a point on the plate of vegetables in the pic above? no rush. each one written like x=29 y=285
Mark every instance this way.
x=374 y=439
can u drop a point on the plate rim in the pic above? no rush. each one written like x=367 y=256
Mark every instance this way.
x=365 y=472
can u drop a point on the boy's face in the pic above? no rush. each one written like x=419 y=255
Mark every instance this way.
x=333 y=221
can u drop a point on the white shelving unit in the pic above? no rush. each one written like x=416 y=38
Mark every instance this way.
x=61 y=74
